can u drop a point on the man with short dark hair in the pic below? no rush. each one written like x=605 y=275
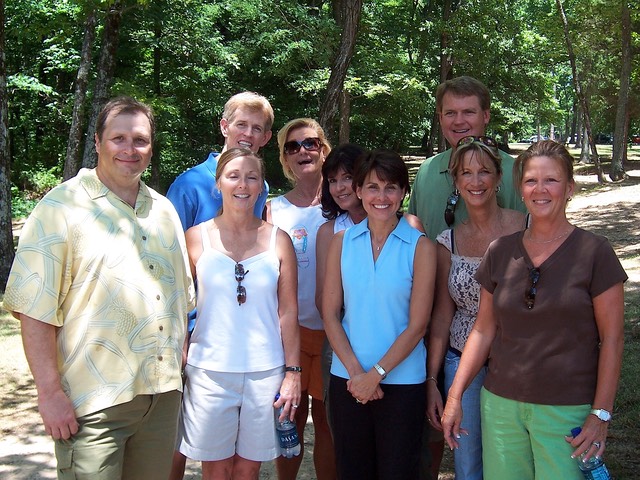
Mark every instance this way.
x=101 y=285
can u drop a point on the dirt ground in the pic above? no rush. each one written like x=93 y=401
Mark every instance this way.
x=26 y=453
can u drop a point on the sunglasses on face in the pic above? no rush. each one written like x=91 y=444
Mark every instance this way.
x=530 y=294
x=311 y=144
x=487 y=141
x=241 y=291
x=450 y=208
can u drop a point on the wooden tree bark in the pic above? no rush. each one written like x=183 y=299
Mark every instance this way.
x=349 y=20
x=579 y=92
x=72 y=160
x=6 y=232
x=622 y=113
x=154 y=181
x=446 y=69
x=106 y=66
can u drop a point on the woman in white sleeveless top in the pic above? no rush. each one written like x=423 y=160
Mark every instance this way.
x=246 y=330
x=303 y=148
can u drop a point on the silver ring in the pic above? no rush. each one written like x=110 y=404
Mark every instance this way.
x=596 y=444
x=293 y=405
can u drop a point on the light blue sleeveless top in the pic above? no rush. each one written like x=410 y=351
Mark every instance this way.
x=376 y=300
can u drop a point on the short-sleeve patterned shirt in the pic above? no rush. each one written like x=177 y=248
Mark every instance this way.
x=116 y=280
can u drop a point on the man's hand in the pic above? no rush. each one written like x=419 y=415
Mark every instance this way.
x=57 y=415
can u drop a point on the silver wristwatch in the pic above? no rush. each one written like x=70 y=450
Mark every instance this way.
x=602 y=414
x=381 y=371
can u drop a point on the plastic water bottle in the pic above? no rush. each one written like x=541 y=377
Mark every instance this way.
x=594 y=468
x=287 y=434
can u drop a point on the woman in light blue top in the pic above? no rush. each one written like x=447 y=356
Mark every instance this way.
x=378 y=374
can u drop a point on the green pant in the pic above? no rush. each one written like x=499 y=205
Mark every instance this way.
x=526 y=440
x=134 y=440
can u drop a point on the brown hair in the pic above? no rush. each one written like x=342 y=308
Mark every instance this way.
x=294 y=125
x=480 y=150
x=464 y=87
x=233 y=153
x=544 y=148
x=124 y=105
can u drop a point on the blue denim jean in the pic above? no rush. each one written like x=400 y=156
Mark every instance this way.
x=468 y=457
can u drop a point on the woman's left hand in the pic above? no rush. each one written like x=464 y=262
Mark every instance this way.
x=289 y=394
x=365 y=387
x=591 y=440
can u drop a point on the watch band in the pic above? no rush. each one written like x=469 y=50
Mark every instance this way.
x=381 y=371
x=602 y=414
x=293 y=368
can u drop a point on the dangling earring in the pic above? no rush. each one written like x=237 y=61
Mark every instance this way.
x=498 y=188
x=456 y=192
x=522 y=198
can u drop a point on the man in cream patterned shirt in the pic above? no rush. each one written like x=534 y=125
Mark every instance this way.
x=102 y=287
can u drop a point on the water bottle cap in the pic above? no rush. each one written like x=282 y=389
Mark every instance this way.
x=576 y=431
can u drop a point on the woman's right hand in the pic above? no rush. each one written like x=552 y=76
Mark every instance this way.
x=451 y=421
x=434 y=405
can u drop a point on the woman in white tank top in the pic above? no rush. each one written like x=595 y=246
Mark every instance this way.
x=246 y=330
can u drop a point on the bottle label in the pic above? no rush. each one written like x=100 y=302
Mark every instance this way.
x=288 y=438
x=600 y=473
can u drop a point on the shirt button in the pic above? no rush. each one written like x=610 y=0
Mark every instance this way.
x=157 y=297
x=160 y=357
x=150 y=267
x=144 y=237
x=161 y=328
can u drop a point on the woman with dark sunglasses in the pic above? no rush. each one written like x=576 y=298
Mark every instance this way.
x=303 y=149
x=245 y=348
x=551 y=316
x=376 y=304
x=477 y=175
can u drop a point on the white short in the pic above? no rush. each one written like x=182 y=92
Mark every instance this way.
x=227 y=413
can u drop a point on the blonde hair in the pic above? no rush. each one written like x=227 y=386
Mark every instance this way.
x=254 y=102
x=295 y=125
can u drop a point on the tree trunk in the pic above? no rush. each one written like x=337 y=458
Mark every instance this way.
x=579 y=135
x=579 y=92
x=350 y=13
x=106 y=66
x=446 y=66
x=72 y=161
x=584 y=149
x=6 y=232
x=154 y=181
x=345 y=113
x=622 y=114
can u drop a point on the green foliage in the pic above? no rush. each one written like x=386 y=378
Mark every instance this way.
x=21 y=204
x=187 y=57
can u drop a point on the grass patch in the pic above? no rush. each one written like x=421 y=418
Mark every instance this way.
x=623 y=442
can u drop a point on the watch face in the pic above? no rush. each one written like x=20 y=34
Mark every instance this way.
x=602 y=415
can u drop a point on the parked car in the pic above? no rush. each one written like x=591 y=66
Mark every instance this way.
x=634 y=139
x=533 y=139
x=604 y=139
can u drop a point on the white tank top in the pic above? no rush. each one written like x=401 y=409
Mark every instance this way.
x=342 y=222
x=237 y=338
x=302 y=224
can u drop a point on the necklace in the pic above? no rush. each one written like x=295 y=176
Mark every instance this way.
x=564 y=234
